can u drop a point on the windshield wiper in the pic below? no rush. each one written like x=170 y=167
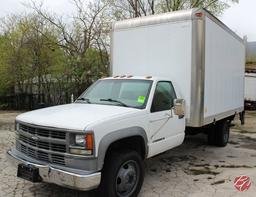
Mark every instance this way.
x=116 y=101
x=84 y=99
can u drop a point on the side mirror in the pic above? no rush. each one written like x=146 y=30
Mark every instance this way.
x=179 y=107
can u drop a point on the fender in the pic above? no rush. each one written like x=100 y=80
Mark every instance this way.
x=114 y=136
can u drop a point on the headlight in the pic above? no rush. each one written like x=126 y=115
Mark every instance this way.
x=83 y=144
x=80 y=140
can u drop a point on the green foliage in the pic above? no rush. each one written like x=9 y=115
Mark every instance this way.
x=5 y=78
x=34 y=59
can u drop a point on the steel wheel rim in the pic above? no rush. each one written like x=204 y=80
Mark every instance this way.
x=127 y=178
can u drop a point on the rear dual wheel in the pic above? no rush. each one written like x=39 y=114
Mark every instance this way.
x=218 y=134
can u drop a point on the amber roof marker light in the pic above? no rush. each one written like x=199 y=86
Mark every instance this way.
x=199 y=14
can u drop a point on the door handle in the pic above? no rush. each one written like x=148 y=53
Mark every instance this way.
x=168 y=115
x=165 y=116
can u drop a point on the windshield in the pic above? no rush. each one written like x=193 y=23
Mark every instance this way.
x=127 y=93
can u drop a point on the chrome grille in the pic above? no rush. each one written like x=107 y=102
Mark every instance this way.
x=43 y=132
x=42 y=144
x=40 y=155
x=58 y=159
x=43 y=156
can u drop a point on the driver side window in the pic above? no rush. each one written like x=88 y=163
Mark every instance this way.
x=163 y=97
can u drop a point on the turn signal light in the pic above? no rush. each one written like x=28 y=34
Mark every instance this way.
x=89 y=141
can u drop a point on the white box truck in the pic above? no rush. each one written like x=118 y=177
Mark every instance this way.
x=175 y=73
x=250 y=91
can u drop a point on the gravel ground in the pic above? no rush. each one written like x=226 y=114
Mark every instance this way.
x=192 y=169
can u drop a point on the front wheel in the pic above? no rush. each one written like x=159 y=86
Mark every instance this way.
x=123 y=174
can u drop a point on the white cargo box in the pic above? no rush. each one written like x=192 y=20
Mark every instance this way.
x=250 y=87
x=201 y=56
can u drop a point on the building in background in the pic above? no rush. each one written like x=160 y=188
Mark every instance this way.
x=251 y=57
x=250 y=76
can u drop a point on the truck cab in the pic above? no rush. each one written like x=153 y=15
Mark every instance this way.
x=150 y=101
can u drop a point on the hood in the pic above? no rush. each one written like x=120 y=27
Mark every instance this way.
x=76 y=116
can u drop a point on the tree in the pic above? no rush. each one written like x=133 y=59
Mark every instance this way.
x=44 y=53
x=135 y=8
x=5 y=77
x=84 y=40
x=15 y=56
x=27 y=55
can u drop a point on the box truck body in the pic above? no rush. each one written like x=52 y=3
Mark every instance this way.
x=250 y=91
x=201 y=56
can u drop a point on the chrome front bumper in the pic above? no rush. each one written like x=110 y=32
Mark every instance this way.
x=84 y=182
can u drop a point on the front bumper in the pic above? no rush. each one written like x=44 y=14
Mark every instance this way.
x=84 y=181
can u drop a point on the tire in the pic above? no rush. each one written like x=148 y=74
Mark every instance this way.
x=122 y=175
x=222 y=133
x=211 y=135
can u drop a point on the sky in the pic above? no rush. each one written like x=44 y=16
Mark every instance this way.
x=241 y=18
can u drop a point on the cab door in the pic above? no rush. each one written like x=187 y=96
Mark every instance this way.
x=167 y=130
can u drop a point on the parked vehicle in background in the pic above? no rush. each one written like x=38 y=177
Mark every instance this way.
x=172 y=74
x=250 y=91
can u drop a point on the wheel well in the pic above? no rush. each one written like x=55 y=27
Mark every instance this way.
x=135 y=143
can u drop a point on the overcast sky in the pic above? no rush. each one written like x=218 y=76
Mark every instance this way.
x=241 y=17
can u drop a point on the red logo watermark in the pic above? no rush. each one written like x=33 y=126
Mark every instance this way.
x=242 y=183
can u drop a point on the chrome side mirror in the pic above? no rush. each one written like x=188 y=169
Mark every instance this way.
x=179 y=107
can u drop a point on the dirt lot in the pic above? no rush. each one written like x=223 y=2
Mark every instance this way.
x=193 y=169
